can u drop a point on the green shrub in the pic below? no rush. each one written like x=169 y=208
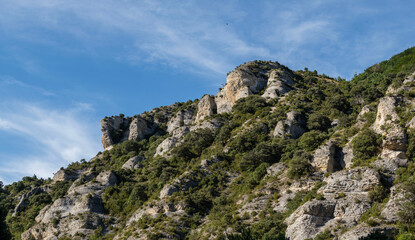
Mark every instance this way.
x=378 y=194
x=366 y=145
x=317 y=121
x=311 y=140
x=249 y=104
x=300 y=165
x=264 y=152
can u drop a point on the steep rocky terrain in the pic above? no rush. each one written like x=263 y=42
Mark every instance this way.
x=276 y=154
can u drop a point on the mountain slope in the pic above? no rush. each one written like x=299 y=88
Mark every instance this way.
x=275 y=154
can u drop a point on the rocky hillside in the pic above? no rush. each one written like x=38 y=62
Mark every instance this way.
x=276 y=154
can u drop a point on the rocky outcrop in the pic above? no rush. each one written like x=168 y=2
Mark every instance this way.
x=79 y=212
x=356 y=181
x=365 y=232
x=177 y=134
x=394 y=205
x=391 y=160
x=395 y=140
x=140 y=128
x=113 y=130
x=345 y=201
x=182 y=183
x=156 y=208
x=206 y=107
x=308 y=219
x=280 y=82
x=117 y=129
x=182 y=118
x=67 y=175
x=328 y=158
x=387 y=123
x=132 y=163
x=293 y=127
x=170 y=142
x=245 y=80
x=24 y=199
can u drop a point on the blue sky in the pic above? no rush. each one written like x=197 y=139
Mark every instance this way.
x=65 y=64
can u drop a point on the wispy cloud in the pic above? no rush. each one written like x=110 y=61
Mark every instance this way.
x=201 y=37
x=10 y=81
x=55 y=137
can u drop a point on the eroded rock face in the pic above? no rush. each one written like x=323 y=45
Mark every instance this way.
x=280 y=82
x=345 y=201
x=113 y=130
x=182 y=183
x=24 y=199
x=364 y=232
x=140 y=128
x=356 y=181
x=132 y=163
x=245 y=80
x=182 y=118
x=306 y=221
x=394 y=205
x=79 y=212
x=387 y=124
x=171 y=142
x=177 y=134
x=328 y=158
x=206 y=107
x=293 y=127
x=67 y=175
x=117 y=129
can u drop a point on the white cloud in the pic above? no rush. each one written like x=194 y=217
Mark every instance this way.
x=180 y=33
x=56 y=137
x=8 y=81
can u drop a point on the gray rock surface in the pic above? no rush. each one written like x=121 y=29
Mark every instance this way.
x=280 y=82
x=67 y=175
x=328 y=158
x=182 y=183
x=242 y=82
x=345 y=201
x=206 y=107
x=117 y=129
x=112 y=129
x=365 y=232
x=79 y=212
x=132 y=163
x=387 y=123
x=293 y=127
x=140 y=128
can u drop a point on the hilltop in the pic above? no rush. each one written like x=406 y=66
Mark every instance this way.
x=275 y=154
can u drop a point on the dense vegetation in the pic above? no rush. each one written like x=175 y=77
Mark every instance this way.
x=245 y=148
